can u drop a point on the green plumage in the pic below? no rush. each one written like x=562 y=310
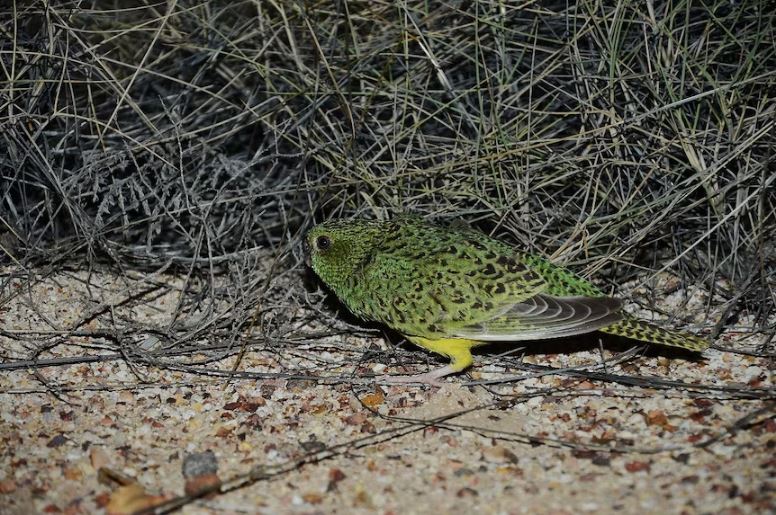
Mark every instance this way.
x=442 y=286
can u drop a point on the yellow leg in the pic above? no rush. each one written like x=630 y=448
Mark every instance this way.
x=457 y=349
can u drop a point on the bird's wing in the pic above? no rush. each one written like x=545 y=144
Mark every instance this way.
x=545 y=316
x=493 y=295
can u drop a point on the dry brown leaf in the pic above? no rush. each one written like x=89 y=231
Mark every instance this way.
x=373 y=400
x=132 y=498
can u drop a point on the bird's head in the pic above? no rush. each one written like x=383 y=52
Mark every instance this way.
x=338 y=249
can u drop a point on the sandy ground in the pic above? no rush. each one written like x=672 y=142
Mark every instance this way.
x=545 y=442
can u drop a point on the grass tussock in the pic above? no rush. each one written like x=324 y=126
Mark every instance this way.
x=617 y=137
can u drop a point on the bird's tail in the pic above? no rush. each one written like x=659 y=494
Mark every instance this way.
x=646 y=332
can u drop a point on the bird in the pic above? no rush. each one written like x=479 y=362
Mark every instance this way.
x=449 y=289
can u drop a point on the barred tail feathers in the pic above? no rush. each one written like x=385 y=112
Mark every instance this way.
x=646 y=332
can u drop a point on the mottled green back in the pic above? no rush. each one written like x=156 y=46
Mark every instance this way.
x=427 y=281
x=560 y=281
x=432 y=281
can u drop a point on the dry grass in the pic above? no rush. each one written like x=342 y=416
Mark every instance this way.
x=190 y=134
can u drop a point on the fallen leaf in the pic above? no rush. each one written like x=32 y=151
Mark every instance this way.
x=132 y=498
x=373 y=400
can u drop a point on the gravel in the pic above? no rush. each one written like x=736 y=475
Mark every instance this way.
x=554 y=443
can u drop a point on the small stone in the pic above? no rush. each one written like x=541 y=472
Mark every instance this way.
x=312 y=498
x=197 y=464
x=335 y=476
x=362 y=499
x=499 y=454
x=355 y=419
x=98 y=458
x=313 y=445
x=244 y=404
x=751 y=373
x=57 y=441
x=201 y=473
x=656 y=418
x=682 y=458
x=72 y=474
x=7 y=486
x=266 y=390
x=637 y=466
x=299 y=385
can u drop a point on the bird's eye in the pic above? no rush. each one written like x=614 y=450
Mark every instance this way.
x=322 y=243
